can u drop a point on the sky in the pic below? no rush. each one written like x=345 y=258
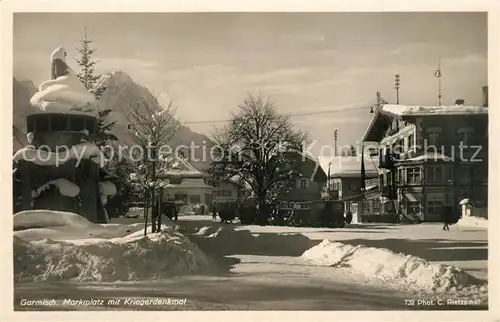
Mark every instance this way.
x=207 y=63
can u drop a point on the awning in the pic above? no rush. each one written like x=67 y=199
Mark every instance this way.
x=410 y=197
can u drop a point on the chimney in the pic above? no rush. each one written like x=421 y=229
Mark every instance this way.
x=485 y=96
x=459 y=101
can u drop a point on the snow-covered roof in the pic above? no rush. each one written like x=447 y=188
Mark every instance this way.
x=190 y=184
x=427 y=156
x=419 y=110
x=66 y=188
x=403 y=110
x=181 y=167
x=348 y=166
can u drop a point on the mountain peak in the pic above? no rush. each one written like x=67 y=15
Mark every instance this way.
x=115 y=78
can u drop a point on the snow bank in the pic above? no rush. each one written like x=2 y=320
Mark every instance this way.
x=48 y=158
x=49 y=218
x=386 y=265
x=472 y=221
x=66 y=188
x=131 y=258
x=59 y=225
x=226 y=240
x=52 y=245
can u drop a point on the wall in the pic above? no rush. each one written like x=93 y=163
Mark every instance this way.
x=231 y=188
x=311 y=192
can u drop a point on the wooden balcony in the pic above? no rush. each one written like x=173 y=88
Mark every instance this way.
x=386 y=161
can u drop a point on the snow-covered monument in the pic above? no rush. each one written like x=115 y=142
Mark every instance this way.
x=61 y=169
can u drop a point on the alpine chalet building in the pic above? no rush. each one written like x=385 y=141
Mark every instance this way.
x=431 y=156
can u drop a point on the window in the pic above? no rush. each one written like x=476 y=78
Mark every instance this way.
x=413 y=207
x=59 y=122
x=90 y=125
x=175 y=180
x=303 y=183
x=434 y=207
x=76 y=124
x=389 y=178
x=401 y=177
x=195 y=199
x=464 y=175
x=413 y=175
x=464 y=135
x=180 y=197
x=381 y=180
x=435 y=174
x=401 y=146
x=433 y=134
x=30 y=124
x=216 y=193
x=42 y=123
x=226 y=193
x=411 y=141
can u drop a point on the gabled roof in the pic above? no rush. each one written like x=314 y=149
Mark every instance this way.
x=179 y=166
x=386 y=112
x=341 y=167
x=407 y=110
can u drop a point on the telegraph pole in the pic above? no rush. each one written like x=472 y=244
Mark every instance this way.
x=335 y=141
x=396 y=87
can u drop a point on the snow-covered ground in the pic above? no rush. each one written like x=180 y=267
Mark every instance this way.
x=223 y=266
x=471 y=221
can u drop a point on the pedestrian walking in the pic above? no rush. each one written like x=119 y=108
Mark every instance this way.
x=214 y=210
x=447 y=217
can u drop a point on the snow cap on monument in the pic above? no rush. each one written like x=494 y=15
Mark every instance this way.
x=63 y=93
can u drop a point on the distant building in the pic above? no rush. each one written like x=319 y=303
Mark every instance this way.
x=185 y=183
x=430 y=157
x=345 y=175
x=308 y=186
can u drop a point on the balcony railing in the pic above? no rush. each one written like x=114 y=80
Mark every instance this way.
x=386 y=160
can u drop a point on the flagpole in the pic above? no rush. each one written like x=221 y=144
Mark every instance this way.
x=438 y=75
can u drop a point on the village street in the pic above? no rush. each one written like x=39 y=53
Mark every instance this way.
x=277 y=279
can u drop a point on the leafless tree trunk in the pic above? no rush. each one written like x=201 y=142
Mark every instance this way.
x=153 y=126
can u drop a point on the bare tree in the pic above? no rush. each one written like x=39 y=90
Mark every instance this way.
x=254 y=148
x=153 y=126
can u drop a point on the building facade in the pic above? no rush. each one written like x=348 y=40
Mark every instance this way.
x=345 y=176
x=430 y=157
x=310 y=182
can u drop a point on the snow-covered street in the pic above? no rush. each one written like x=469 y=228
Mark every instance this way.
x=265 y=268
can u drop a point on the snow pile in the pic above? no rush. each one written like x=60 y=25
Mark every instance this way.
x=107 y=190
x=66 y=188
x=67 y=246
x=48 y=218
x=226 y=240
x=130 y=258
x=65 y=93
x=386 y=265
x=472 y=221
x=49 y=158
